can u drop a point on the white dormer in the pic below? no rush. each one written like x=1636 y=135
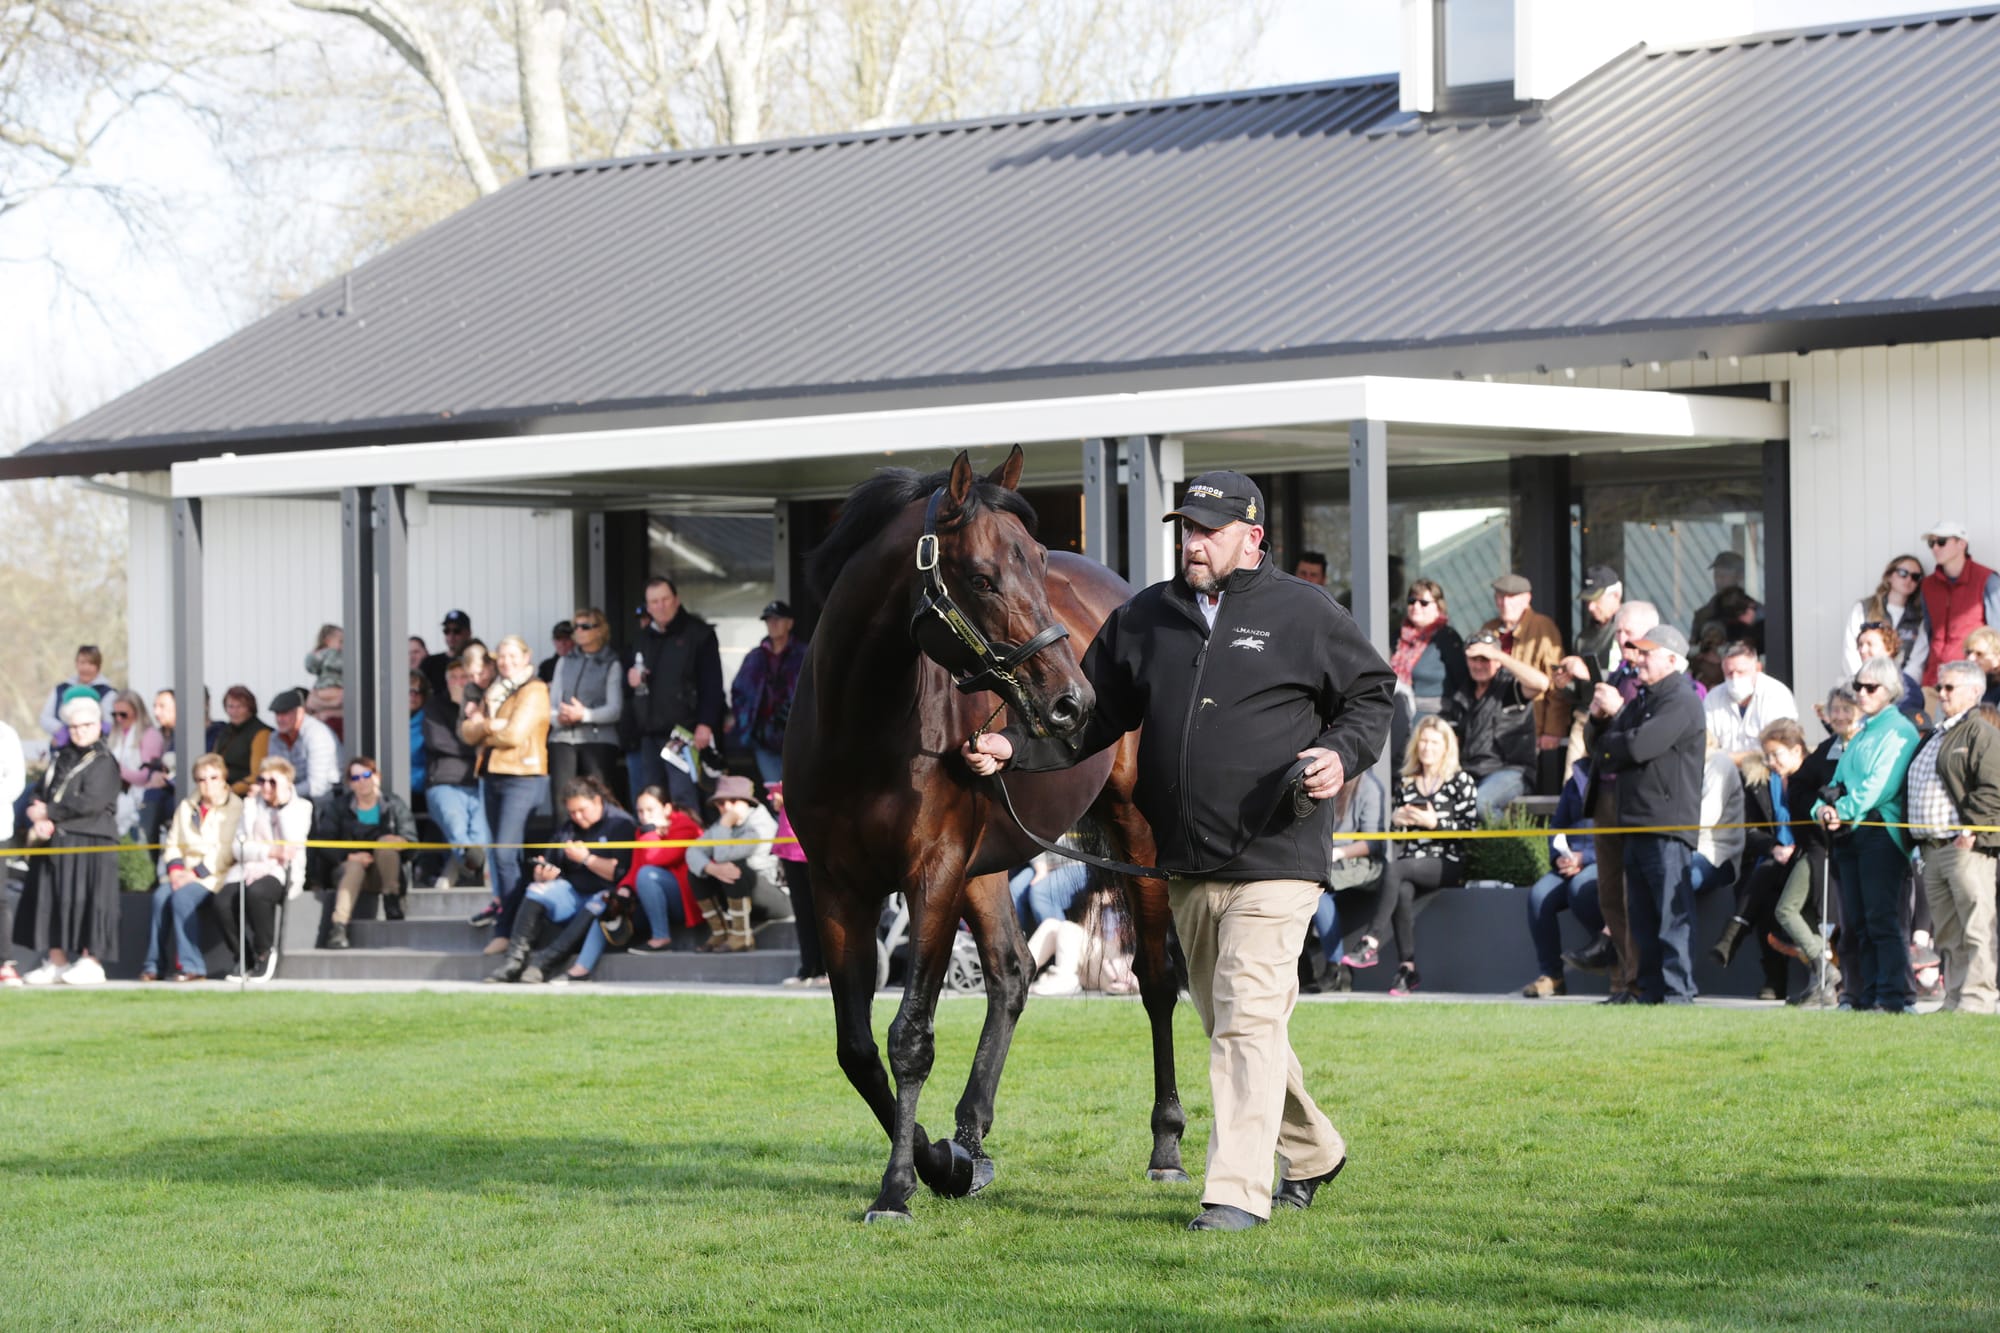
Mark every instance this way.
x=1483 y=56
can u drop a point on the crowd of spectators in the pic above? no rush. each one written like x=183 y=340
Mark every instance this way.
x=1633 y=723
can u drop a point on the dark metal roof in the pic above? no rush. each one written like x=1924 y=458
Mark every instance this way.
x=1821 y=175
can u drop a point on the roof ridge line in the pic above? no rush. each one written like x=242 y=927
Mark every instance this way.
x=764 y=147
x=1920 y=19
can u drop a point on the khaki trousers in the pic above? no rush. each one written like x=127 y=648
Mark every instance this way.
x=385 y=876
x=1611 y=889
x=1242 y=941
x=1960 y=888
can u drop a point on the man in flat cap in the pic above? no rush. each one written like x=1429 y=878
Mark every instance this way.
x=1260 y=699
x=1532 y=640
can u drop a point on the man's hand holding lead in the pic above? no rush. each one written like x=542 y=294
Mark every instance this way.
x=986 y=753
x=1325 y=776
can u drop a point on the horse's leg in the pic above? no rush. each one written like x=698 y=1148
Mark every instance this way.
x=847 y=939
x=1003 y=957
x=1159 y=987
x=945 y=1166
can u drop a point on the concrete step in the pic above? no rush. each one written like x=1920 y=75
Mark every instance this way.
x=765 y=967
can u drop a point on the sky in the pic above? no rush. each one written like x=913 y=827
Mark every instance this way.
x=61 y=355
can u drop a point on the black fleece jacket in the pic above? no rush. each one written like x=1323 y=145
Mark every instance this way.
x=1226 y=714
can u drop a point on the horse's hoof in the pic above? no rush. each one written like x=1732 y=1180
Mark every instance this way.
x=874 y=1215
x=1166 y=1175
x=982 y=1174
x=953 y=1177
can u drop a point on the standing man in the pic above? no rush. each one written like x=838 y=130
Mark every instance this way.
x=1655 y=743
x=761 y=696
x=1532 y=638
x=1310 y=566
x=676 y=681
x=564 y=638
x=1954 y=780
x=457 y=633
x=1249 y=683
x=1960 y=595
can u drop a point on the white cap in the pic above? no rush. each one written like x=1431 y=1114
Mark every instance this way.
x=1948 y=527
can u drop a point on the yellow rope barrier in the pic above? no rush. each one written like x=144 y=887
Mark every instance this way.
x=332 y=844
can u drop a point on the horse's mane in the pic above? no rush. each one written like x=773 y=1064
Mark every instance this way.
x=875 y=502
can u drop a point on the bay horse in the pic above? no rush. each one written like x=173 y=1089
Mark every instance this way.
x=882 y=802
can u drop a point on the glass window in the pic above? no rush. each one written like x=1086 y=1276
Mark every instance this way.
x=1478 y=42
x=722 y=565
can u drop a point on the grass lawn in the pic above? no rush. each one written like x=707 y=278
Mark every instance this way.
x=469 y=1161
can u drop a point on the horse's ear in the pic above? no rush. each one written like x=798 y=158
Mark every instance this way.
x=1008 y=474
x=959 y=489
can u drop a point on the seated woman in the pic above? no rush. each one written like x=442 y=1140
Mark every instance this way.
x=1781 y=795
x=568 y=875
x=1093 y=956
x=241 y=740
x=741 y=868
x=1718 y=847
x=270 y=867
x=1044 y=888
x=656 y=883
x=1433 y=794
x=1357 y=869
x=200 y=847
x=1571 y=883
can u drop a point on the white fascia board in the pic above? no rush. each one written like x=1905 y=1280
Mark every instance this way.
x=530 y=458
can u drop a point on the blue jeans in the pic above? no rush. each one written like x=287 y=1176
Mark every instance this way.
x=461 y=813
x=659 y=894
x=1326 y=920
x=183 y=902
x=649 y=770
x=770 y=765
x=1547 y=900
x=1708 y=876
x=510 y=801
x=594 y=943
x=1049 y=898
x=1500 y=789
x=560 y=901
x=1871 y=869
x=1659 y=905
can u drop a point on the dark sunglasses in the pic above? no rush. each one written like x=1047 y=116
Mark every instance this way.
x=1906 y=573
x=1867 y=625
x=1867 y=687
x=361 y=775
x=1419 y=601
x=267 y=782
x=588 y=624
x=121 y=715
x=1936 y=542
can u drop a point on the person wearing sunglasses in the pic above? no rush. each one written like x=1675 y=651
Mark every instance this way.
x=1959 y=596
x=362 y=812
x=1429 y=662
x=199 y=847
x=1871 y=863
x=1955 y=780
x=270 y=867
x=1898 y=608
x=139 y=749
x=587 y=694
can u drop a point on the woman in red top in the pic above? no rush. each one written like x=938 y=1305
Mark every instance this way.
x=659 y=874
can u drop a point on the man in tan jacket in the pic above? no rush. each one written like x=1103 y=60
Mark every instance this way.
x=1533 y=639
x=200 y=846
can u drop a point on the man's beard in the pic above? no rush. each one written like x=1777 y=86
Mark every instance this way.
x=1202 y=579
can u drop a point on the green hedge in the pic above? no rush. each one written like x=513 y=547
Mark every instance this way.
x=1519 y=861
x=136 y=873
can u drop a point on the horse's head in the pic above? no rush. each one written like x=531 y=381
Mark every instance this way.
x=982 y=607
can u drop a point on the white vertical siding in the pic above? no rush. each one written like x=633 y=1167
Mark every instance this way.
x=1885 y=442
x=273 y=577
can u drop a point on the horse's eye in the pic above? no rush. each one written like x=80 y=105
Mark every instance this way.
x=981 y=584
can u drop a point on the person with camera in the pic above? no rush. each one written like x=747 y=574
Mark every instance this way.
x=1257 y=698
x=1870 y=863
x=570 y=878
x=676 y=681
x=1495 y=722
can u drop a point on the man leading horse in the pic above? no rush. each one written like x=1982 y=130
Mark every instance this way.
x=1258 y=696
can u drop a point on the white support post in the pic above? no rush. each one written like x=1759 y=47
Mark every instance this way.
x=1153 y=469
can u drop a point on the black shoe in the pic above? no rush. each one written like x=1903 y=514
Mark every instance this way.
x=486 y=915
x=336 y=936
x=519 y=945
x=1222 y=1217
x=1620 y=997
x=1299 y=1193
x=1599 y=957
x=392 y=907
x=1343 y=978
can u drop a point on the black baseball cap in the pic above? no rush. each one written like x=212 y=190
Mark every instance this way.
x=563 y=630
x=1217 y=499
x=288 y=701
x=457 y=618
x=1595 y=580
x=776 y=608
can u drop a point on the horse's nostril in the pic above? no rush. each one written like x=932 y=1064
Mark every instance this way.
x=1066 y=709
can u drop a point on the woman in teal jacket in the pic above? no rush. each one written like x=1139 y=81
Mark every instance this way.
x=1872 y=863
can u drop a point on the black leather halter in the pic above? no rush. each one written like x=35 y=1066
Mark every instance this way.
x=948 y=637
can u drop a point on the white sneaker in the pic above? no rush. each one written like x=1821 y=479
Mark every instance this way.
x=48 y=974
x=9 y=975
x=84 y=972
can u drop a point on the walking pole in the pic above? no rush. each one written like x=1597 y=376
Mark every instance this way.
x=1825 y=925
x=242 y=936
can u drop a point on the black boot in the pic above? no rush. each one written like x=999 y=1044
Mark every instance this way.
x=526 y=922
x=1725 y=948
x=336 y=936
x=392 y=907
x=546 y=962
